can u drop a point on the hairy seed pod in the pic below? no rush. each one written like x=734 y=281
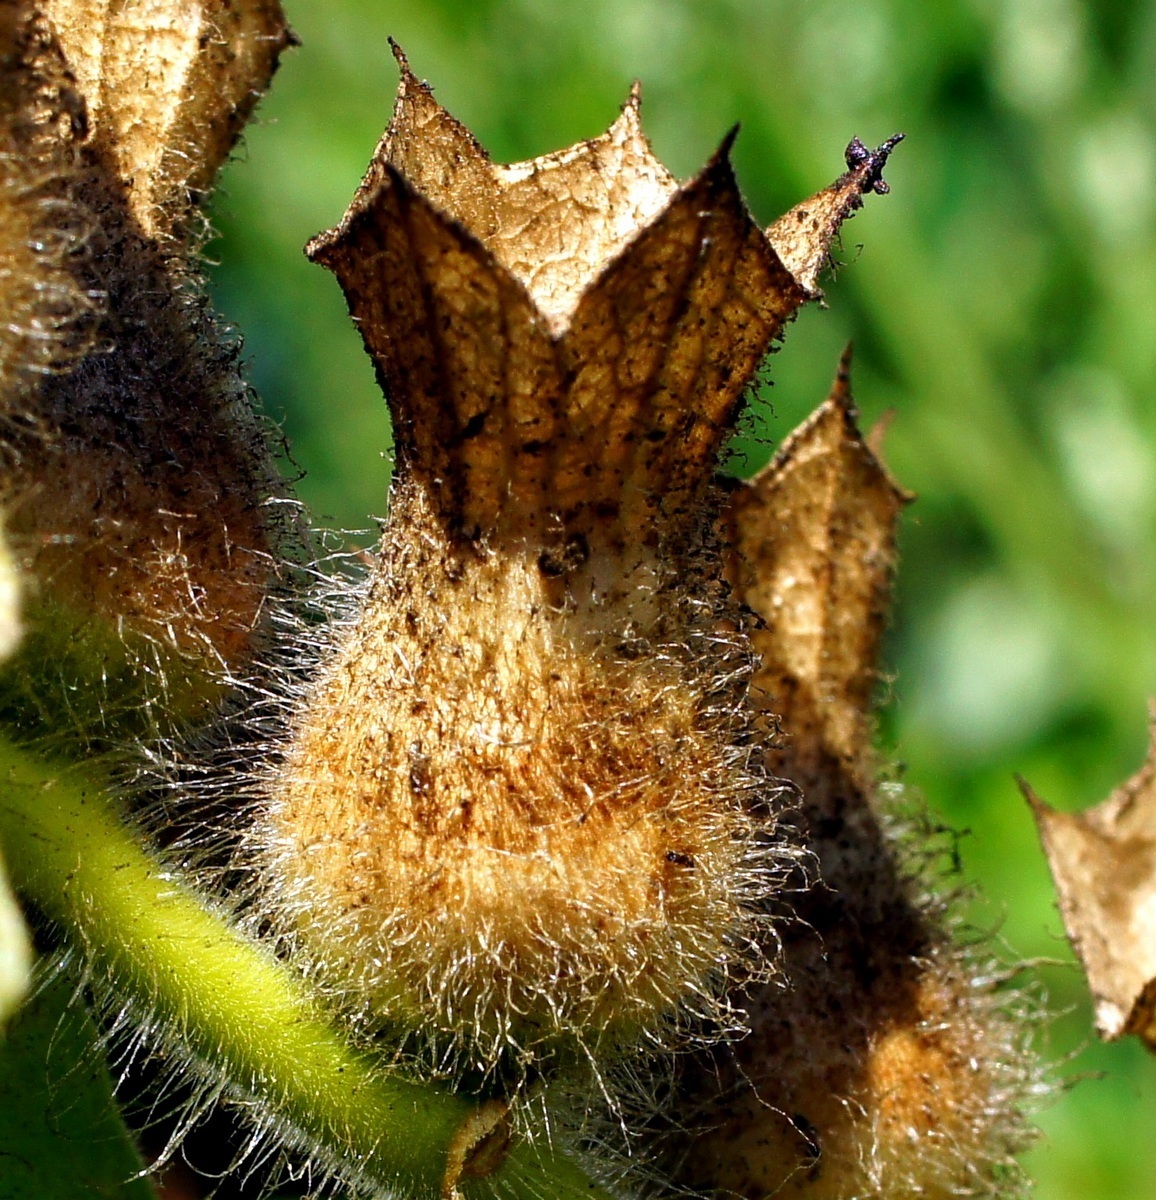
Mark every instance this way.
x=516 y=806
x=140 y=492
x=883 y=1064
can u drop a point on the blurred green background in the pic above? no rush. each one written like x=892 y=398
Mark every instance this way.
x=1002 y=300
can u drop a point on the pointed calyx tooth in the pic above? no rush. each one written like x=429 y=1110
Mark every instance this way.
x=813 y=553
x=169 y=86
x=554 y=221
x=563 y=341
x=1103 y=862
x=804 y=235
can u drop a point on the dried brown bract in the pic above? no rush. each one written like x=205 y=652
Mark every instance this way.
x=516 y=808
x=168 y=87
x=812 y=543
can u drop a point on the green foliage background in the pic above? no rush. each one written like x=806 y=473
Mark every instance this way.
x=1003 y=303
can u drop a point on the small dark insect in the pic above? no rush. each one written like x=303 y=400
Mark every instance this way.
x=857 y=154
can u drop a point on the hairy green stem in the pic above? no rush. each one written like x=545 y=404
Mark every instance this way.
x=229 y=1002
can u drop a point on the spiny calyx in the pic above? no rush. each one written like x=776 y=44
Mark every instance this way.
x=518 y=801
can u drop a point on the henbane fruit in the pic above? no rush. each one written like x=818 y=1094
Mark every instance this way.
x=526 y=803
x=884 y=1063
x=141 y=500
x=515 y=809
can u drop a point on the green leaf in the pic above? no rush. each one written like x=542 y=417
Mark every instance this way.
x=61 y=1136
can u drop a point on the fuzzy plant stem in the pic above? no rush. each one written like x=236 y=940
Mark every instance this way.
x=235 y=1008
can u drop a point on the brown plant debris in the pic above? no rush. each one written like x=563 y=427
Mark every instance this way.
x=813 y=541
x=517 y=805
x=876 y=1066
x=1103 y=862
x=134 y=474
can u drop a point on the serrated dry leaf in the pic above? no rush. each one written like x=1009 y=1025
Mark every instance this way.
x=169 y=85
x=1103 y=862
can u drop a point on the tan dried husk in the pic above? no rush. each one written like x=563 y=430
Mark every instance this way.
x=45 y=313
x=517 y=806
x=168 y=87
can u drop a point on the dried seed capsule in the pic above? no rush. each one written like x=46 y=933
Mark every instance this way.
x=882 y=1064
x=516 y=802
x=506 y=813
x=133 y=473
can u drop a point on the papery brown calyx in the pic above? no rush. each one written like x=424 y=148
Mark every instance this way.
x=168 y=87
x=517 y=806
x=879 y=1064
x=136 y=480
x=563 y=341
x=1103 y=864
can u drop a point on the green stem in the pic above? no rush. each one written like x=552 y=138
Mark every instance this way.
x=231 y=1003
